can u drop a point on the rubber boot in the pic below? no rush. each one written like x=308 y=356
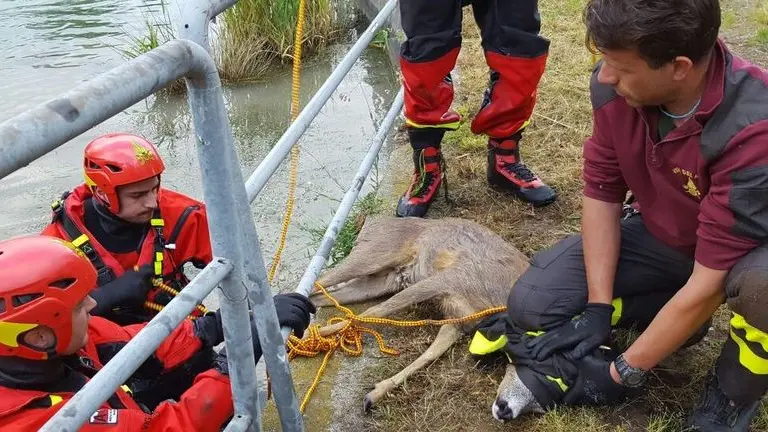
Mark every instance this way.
x=507 y=172
x=718 y=413
x=427 y=172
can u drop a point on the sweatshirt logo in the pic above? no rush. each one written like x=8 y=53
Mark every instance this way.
x=689 y=185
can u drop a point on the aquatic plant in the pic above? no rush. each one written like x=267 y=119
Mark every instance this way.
x=253 y=35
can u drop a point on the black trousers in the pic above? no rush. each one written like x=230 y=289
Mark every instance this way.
x=649 y=273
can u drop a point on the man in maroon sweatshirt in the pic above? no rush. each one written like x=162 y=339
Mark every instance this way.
x=682 y=123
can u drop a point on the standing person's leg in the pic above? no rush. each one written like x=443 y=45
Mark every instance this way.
x=739 y=379
x=517 y=56
x=554 y=290
x=433 y=31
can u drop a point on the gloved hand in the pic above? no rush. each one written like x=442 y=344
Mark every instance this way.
x=129 y=290
x=594 y=386
x=293 y=310
x=583 y=333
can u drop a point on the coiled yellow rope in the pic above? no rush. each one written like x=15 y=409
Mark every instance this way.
x=350 y=337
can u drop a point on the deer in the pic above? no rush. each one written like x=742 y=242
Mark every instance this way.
x=460 y=265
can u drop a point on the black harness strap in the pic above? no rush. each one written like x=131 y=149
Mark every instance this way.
x=81 y=240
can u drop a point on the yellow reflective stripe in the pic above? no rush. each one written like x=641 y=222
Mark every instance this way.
x=10 y=331
x=480 y=345
x=159 y=256
x=748 y=358
x=55 y=399
x=80 y=240
x=753 y=334
x=618 y=306
x=560 y=383
x=157 y=222
x=535 y=333
x=158 y=268
x=127 y=389
x=451 y=126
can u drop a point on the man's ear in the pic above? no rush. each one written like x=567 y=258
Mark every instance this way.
x=681 y=67
x=41 y=338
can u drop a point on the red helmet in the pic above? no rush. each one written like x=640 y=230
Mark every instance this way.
x=119 y=159
x=42 y=279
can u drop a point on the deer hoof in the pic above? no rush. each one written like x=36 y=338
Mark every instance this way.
x=367 y=404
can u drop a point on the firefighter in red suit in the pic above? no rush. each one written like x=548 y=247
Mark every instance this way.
x=134 y=232
x=50 y=347
x=516 y=55
x=131 y=229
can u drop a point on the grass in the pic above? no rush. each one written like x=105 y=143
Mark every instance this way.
x=157 y=31
x=369 y=204
x=254 y=34
x=455 y=393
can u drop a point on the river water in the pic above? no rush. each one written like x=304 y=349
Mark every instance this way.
x=49 y=46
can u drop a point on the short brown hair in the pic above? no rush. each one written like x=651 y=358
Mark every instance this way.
x=659 y=30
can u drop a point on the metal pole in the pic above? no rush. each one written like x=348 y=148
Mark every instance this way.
x=271 y=162
x=40 y=130
x=329 y=239
x=243 y=235
x=85 y=402
x=223 y=193
x=195 y=16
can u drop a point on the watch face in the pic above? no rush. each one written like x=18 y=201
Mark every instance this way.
x=634 y=379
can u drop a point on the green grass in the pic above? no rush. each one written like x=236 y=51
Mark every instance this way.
x=157 y=30
x=255 y=34
x=369 y=204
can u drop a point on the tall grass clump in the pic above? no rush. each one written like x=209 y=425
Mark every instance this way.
x=255 y=34
x=157 y=30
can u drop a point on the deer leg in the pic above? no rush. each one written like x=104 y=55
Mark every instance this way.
x=427 y=289
x=359 y=264
x=357 y=291
x=447 y=336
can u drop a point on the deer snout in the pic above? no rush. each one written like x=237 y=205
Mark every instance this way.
x=513 y=398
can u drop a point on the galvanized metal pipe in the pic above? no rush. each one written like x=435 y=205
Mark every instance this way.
x=331 y=233
x=196 y=15
x=85 y=402
x=272 y=161
x=40 y=130
x=243 y=235
x=223 y=192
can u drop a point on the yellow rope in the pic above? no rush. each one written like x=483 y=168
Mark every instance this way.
x=295 y=101
x=350 y=337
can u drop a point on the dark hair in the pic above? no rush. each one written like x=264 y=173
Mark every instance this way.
x=659 y=30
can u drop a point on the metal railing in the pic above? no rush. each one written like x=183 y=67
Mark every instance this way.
x=240 y=273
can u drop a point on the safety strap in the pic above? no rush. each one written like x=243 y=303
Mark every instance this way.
x=81 y=240
x=171 y=242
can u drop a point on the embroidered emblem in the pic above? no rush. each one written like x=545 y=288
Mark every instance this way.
x=689 y=185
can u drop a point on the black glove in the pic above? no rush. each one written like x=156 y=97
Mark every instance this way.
x=220 y=362
x=208 y=329
x=293 y=310
x=594 y=386
x=127 y=291
x=583 y=333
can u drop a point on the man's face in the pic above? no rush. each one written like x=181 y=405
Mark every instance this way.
x=634 y=80
x=80 y=324
x=138 y=201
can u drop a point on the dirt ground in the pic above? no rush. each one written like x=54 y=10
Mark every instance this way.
x=456 y=392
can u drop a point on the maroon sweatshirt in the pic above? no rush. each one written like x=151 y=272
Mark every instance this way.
x=703 y=189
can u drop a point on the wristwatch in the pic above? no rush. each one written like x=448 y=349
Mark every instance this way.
x=630 y=376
